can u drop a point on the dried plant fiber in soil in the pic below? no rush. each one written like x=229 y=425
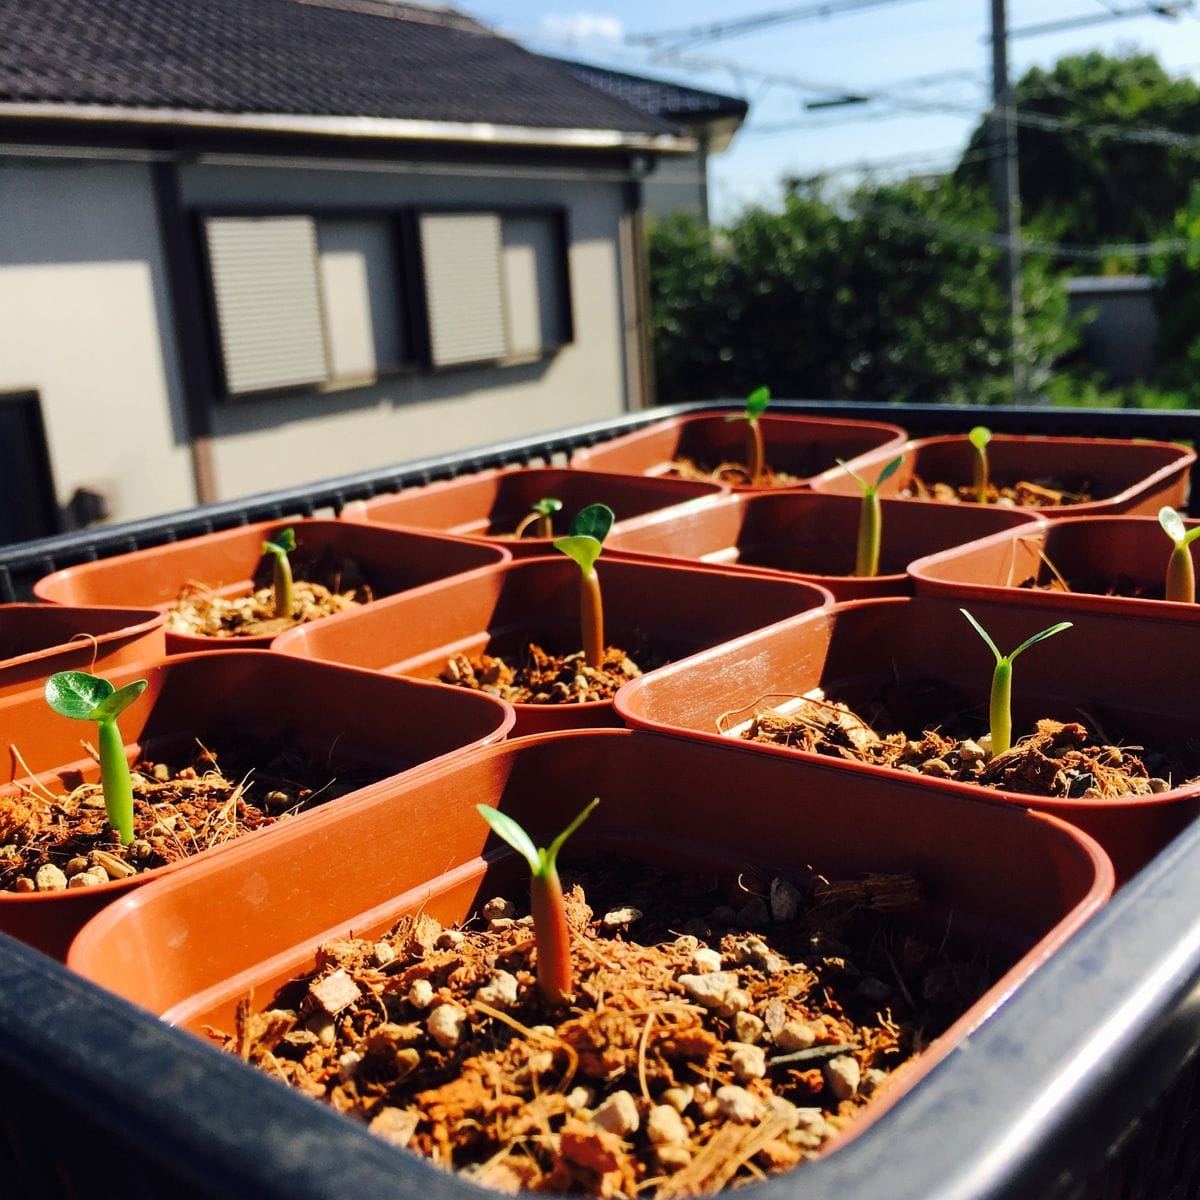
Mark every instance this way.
x=733 y=474
x=51 y=841
x=1025 y=493
x=717 y=1035
x=1057 y=759
x=539 y=677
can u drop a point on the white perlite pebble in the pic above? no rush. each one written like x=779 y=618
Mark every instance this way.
x=348 y=1065
x=738 y=1104
x=445 y=1025
x=748 y=1028
x=420 y=995
x=795 y=1035
x=50 y=879
x=679 y=1097
x=618 y=918
x=618 y=1114
x=665 y=1127
x=500 y=991
x=842 y=1075
x=706 y=961
x=87 y=879
x=579 y=1097
x=498 y=907
x=747 y=1062
x=384 y=953
x=685 y=941
x=736 y=1001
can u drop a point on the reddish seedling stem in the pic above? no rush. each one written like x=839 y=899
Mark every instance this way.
x=754 y=451
x=553 y=937
x=591 y=616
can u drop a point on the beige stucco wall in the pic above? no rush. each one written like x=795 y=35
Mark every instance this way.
x=84 y=320
x=277 y=441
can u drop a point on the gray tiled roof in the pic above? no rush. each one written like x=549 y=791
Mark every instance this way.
x=659 y=97
x=369 y=58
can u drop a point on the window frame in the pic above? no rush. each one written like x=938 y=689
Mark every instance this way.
x=403 y=222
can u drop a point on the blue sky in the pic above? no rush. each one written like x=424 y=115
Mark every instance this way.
x=929 y=57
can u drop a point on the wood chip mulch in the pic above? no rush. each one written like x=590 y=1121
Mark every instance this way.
x=721 y=1031
x=539 y=677
x=733 y=474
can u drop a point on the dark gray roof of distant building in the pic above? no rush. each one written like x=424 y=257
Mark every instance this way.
x=310 y=58
x=659 y=97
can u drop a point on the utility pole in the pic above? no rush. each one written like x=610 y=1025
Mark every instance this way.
x=1006 y=190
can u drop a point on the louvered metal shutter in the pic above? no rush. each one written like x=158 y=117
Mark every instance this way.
x=264 y=277
x=464 y=291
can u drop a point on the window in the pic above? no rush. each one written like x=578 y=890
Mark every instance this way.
x=322 y=301
x=495 y=286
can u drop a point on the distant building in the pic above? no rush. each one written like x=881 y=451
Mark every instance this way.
x=1120 y=333
x=681 y=182
x=249 y=243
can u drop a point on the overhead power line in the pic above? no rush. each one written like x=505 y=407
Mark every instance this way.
x=691 y=35
x=1171 y=11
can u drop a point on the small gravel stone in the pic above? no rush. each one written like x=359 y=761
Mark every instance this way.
x=673 y=1158
x=580 y=1097
x=795 y=1035
x=738 y=1104
x=842 y=1074
x=449 y=939
x=50 y=879
x=326 y=1034
x=781 y=1106
x=420 y=994
x=872 y=1081
x=754 y=914
x=140 y=848
x=705 y=961
x=679 y=1097
x=445 y=1025
x=709 y=989
x=747 y=1062
x=736 y=1001
x=499 y=924
x=395 y=1125
x=87 y=879
x=785 y=900
x=1158 y=785
x=499 y=907
x=665 y=1127
x=384 y=953
x=24 y=884
x=618 y=1114
x=748 y=1028
x=971 y=751
x=348 y=1065
x=775 y=1016
x=77 y=864
x=686 y=943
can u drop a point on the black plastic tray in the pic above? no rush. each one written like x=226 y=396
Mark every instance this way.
x=1084 y=1085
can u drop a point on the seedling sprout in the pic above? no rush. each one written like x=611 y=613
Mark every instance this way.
x=550 y=930
x=280 y=548
x=1000 y=705
x=85 y=697
x=979 y=438
x=588 y=531
x=541 y=515
x=1181 y=575
x=756 y=405
x=870 y=518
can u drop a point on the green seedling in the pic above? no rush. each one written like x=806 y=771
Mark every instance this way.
x=1000 y=705
x=870 y=518
x=541 y=515
x=551 y=933
x=281 y=547
x=588 y=531
x=979 y=438
x=756 y=405
x=1181 y=575
x=84 y=697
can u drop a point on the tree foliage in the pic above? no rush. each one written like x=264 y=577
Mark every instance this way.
x=891 y=295
x=1092 y=183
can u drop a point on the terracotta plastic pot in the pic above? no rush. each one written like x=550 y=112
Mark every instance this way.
x=676 y=610
x=357 y=718
x=1019 y=882
x=230 y=563
x=38 y=639
x=489 y=505
x=1135 y=674
x=806 y=447
x=1081 y=549
x=813 y=537
x=1123 y=476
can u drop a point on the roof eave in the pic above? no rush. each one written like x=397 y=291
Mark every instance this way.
x=349 y=127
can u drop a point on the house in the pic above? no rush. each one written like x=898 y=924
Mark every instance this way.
x=248 y=244
x=678 y=183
